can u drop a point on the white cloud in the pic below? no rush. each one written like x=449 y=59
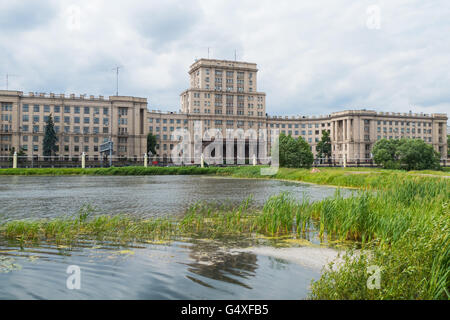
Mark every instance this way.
x=314 y=57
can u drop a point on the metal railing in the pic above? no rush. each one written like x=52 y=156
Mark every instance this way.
x=97 y=162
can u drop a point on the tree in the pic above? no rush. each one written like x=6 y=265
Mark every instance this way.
x=49 y=138
x=323 y=148
x=408 y=154
x=384 y=153
x=415 y=154
x=151 y=143
x=294 y=153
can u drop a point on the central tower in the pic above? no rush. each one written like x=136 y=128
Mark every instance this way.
x=222 y=87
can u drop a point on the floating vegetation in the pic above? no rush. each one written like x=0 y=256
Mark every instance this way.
x=8 y=264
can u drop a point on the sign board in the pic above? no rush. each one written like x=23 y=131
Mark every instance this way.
x=107 y=146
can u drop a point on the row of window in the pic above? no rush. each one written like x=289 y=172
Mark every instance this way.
x=75 y=129
x=66 y=109
x=402 y=130
x=402 y=123
x=157 y=129
x=67 y=119
x=296 y=125
x=398 y=137
x=65 y=148
x=66 y=139
x=158 y=120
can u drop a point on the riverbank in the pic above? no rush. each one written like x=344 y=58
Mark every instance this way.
x=403 y=228
x=373 y=178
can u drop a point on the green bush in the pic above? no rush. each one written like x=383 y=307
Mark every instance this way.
x=294 y=153
x=408 y=154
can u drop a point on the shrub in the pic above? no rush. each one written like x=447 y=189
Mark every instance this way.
x=408 y=154
x=295 y=153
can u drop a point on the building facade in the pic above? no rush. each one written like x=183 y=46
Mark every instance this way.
x=81 y=123
x=222 y=95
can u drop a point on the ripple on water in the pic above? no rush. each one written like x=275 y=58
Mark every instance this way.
x=181 y=270
x=145 y=196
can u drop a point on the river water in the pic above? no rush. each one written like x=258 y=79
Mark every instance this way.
x=194 y=269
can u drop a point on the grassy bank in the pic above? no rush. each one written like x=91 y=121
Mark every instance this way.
x=124 y=171
x=403 y=227
x=345 y=177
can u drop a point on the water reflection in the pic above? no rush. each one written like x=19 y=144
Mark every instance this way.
x=213 y=262
x=196 y=269
x=145 y=196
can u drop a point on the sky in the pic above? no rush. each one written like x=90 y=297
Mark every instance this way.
x=314 y=57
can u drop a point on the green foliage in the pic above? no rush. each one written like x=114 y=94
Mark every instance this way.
x=384 y=153
x=49 y=138
x=294 y=153
x=417 y=155
x=408 y=154
x=448 y=145
x=151 y=143
x=323 y=147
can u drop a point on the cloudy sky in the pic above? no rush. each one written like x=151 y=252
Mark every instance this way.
x=314 y=57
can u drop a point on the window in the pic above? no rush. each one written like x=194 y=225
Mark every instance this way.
x=25 y=108
x=46 y=108
x=86 y=110
x=36 y=108
x=56 y=109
